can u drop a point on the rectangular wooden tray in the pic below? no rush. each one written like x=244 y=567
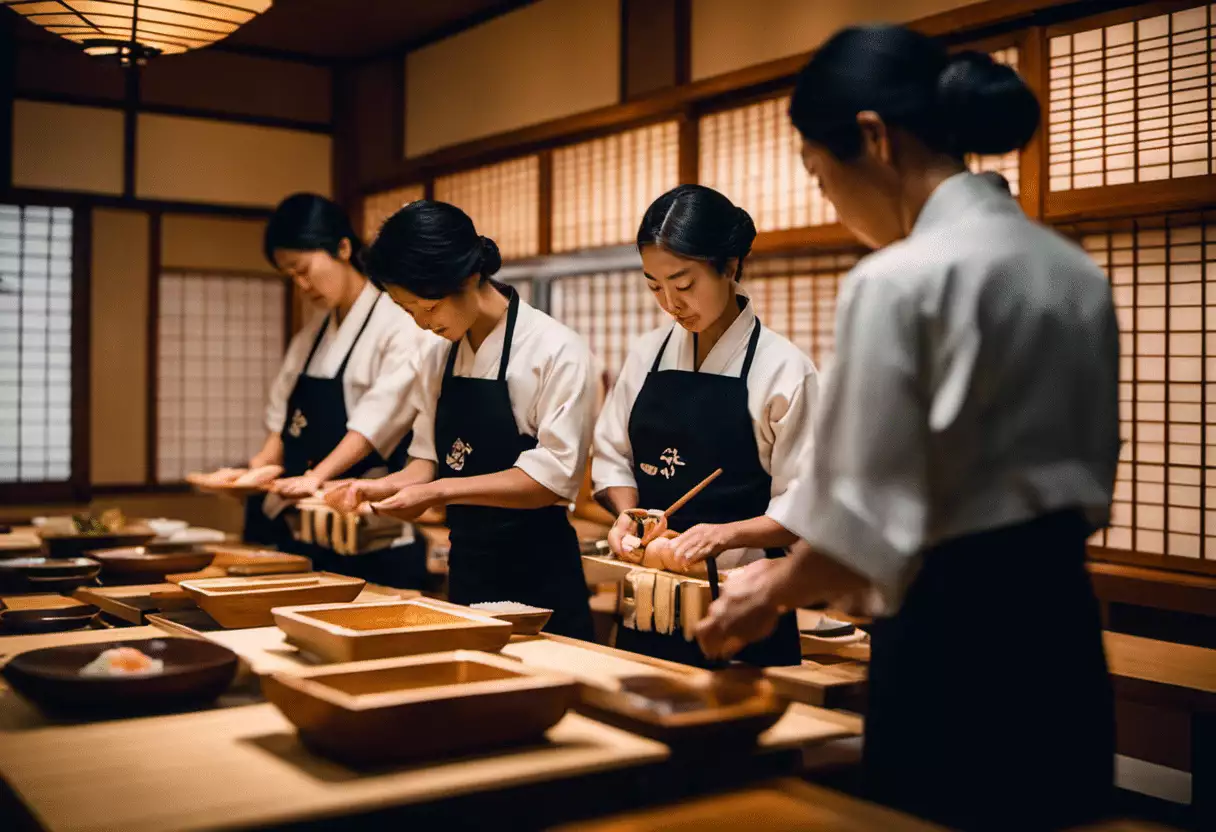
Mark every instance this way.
x=355 y=632
x=247 y=602
x=133 y=604
x=422 y=706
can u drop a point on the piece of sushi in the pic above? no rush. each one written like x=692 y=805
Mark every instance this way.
x=123 y=661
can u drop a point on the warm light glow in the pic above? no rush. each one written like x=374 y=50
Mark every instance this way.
x=134 y=30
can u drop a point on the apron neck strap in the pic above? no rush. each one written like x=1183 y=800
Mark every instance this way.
x=366 y=320
x=658 y=359
x=747 y=359
x=316 y=343
x=512 y=315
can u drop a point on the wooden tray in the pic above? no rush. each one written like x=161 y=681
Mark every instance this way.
x=412 y=708
x=133 y=604
x=735 y=713
x=827 y=683
x=354 y=632
x=238 y=492
x=247 y=602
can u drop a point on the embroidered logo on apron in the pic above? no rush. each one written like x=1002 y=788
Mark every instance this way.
x=298 y=423
x=670 y=459
x=459 y=453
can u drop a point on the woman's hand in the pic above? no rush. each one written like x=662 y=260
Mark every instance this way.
x=701 y=542
x=298 y=488
x=744 y=613
x=410 y=502
x=625 y=526
x=347 y=496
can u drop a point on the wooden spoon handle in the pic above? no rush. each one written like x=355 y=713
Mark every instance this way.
x=694 y=491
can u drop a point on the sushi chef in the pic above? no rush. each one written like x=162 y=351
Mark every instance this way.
x=338 y=407
x=711 y=388
x=505 y=410
x=966 y=448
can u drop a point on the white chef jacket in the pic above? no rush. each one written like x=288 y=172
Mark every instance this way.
x=782 y=390
x=550 y=380
x=378 y=377
x=975 y=386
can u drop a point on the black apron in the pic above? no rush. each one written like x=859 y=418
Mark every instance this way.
x=684 y=426
x=504 y=554
x=990 y=706
x=315 y=425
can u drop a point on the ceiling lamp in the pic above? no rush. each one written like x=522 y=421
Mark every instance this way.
x=135 y=30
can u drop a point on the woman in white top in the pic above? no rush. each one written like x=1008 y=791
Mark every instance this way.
x=338 y=407
x=711 y=389
x=966 y=447
x=505 y=415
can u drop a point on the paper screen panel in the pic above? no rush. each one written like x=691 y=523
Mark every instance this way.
x=601 y=188
x=1164 y=282
x=610 y=310
x=1009 y=164
x=503 y=200
x=796 y=297
x=523 y=286
x=219 y=347
x=35 y=344
x=379 y=207
x=751 y=154
x=1132 y=102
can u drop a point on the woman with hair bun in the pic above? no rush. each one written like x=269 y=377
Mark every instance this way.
x=966 y=447
x=711 y=389
x=504 y=427
x=336 y=408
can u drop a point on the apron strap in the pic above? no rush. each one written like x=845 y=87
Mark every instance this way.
x=654 y=368
x=512 y=314
x=751 y=350
x=342 y=369
x=316 y=343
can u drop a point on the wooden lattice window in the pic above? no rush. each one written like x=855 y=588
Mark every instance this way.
x=751 y=154
x=503 y=200
x=379 y=207
x=523 y=286
x=601 y=188
x=610 y=310
x=220 y=341
x=35 y=344
x=1009 y=164
x=1163 y=272
x=1132 y=102
x=796 y=297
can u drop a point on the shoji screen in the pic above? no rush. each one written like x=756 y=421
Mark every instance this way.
x=751 y=154
x=219 y=345
x=503 y=200
x=1009 y=165
x=35 y=344
x=601 y=188
x=379 y=207
x=796 y=296
x=610 y=310
x=1163 y=272
x=1132 y=102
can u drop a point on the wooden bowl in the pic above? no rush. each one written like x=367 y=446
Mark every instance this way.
x=237 y=603
x=63 y=619
x=195 y=673
x=356 y=632
x=69 y=545
x=527 y=622
x=40 y=574
x=138 y=562
x=420 y=707
x=717 y=712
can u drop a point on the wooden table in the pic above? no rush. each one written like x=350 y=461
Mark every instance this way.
x=43 y=601
x=1179 y=677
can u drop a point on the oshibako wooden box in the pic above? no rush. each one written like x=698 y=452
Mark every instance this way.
x=246 y=602
x=421 y=706
x=348 y=633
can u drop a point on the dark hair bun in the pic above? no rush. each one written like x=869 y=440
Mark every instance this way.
x=987 y=106
x=491 y=259
x=742 y=235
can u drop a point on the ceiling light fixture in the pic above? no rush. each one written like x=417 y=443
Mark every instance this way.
x=134 y=30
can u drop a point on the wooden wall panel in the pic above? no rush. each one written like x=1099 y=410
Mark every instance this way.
x=650 y=54
x=190 y=241
x=377 y=110
x=56 y=68
x=201 y=160
x=239 y=84
x=68 y=148
x=119 y=347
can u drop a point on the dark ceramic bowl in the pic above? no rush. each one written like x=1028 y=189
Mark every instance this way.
x=39 y=574
x=143 y=562
x=30 y=622
x=195 y=673
x=69 y=545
